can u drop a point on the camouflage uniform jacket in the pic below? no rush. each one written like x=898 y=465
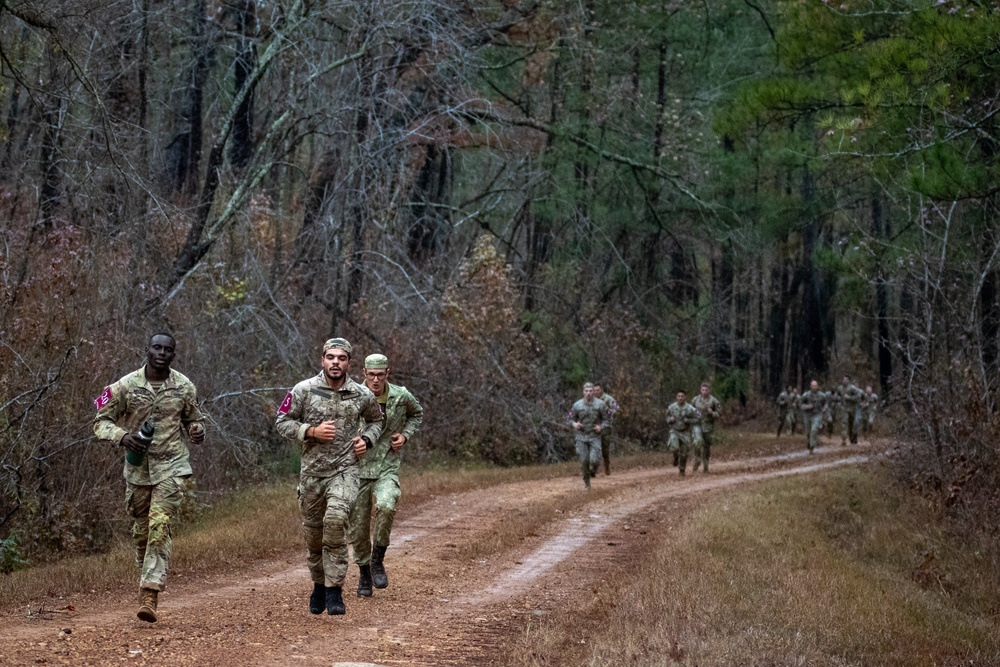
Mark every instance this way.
x=682 y=417
x=589 y=415
x=403 y=414
x=813 y=402
x=611 y=404
x=173 y=408
x=784 y=400
x=795 y=400
x=709 y=408
x=352 y=408
x=869 y=401
x=848 y=395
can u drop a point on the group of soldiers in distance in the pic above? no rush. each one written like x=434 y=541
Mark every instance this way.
x=692 y=428
x=818 y=410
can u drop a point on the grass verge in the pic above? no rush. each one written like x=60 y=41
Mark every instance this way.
x=835 y=569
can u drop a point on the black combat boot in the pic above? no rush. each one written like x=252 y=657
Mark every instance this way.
x=365 y=581
x=379 y=576
x=335 y=601
x=317 y=599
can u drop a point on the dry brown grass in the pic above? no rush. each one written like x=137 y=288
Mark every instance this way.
x=819 y=570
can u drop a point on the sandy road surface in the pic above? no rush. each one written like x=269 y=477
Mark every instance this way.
x=467 y=572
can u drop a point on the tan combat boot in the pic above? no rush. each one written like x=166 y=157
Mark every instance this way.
x=147 y=610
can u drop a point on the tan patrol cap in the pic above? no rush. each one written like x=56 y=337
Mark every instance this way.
x=339 y=343
x=376 y=361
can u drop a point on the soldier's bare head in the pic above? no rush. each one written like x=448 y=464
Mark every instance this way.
x=814 y=385
x=681 y=396
x=868 y=389
x=846 y=379
x=598 y=390
x=160 y=354
x=588 y=391
x=706 y=389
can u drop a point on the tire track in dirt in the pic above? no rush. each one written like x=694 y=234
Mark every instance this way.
x=428 y=616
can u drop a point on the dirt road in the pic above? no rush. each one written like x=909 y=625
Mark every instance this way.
x=468 y=572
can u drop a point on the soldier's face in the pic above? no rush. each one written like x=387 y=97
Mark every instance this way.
x=598 y=391
x=704 y=392
x=160 y=352
x=814 y=386
x=588 y=393
x=336 y=362
x=376 y=378
x=681 y=397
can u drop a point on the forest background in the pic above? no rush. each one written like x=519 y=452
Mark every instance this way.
x=507 y=197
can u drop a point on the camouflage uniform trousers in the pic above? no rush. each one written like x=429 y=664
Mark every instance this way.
x=606 y=449
x=385 y=492
x=588 y=448
x=850 y=422
x=813 y=424
x=325 y=504
x=153 y=508
x=702 y=441
x=867 y=420
x=679 y=442
x=786 y=421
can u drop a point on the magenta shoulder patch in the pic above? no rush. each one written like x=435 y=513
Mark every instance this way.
x=103 y=399
x=286 y=404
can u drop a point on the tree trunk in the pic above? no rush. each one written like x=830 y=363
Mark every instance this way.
x=246 y=60
x=880 y=229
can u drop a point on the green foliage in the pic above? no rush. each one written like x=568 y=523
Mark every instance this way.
x=10 y=555
x=732 y=383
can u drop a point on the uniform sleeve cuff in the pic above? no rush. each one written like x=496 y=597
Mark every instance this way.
x=302 y=432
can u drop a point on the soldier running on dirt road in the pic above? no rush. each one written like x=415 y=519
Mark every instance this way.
x=337 y=420
x=156 y=471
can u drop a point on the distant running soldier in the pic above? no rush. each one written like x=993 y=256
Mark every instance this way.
x=613 y=408
x=682 y=418
x=588 y=417
x=813 y=409
x=380 y=474
x=830 y=407
x=710 y=408
x=787 y=410
x=337 y=420
x=154 y=485
x=849 y=399
x=869 y=406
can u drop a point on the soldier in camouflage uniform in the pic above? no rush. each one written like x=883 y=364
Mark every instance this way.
x=613 y=407
x=710 y=408
x=155 y=488
x=682 y=418
x=849 y=398
x=337 y=420
x=869 y=405
x=787 y=410
x=402 y=416
x=814 y=406
x=588 y=417
x=830 y=408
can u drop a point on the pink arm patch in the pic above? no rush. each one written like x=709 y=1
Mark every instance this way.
x=286 y=404
x=103 y=399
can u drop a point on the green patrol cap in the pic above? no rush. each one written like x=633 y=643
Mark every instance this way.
x=374 y=361
x=339 y=343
